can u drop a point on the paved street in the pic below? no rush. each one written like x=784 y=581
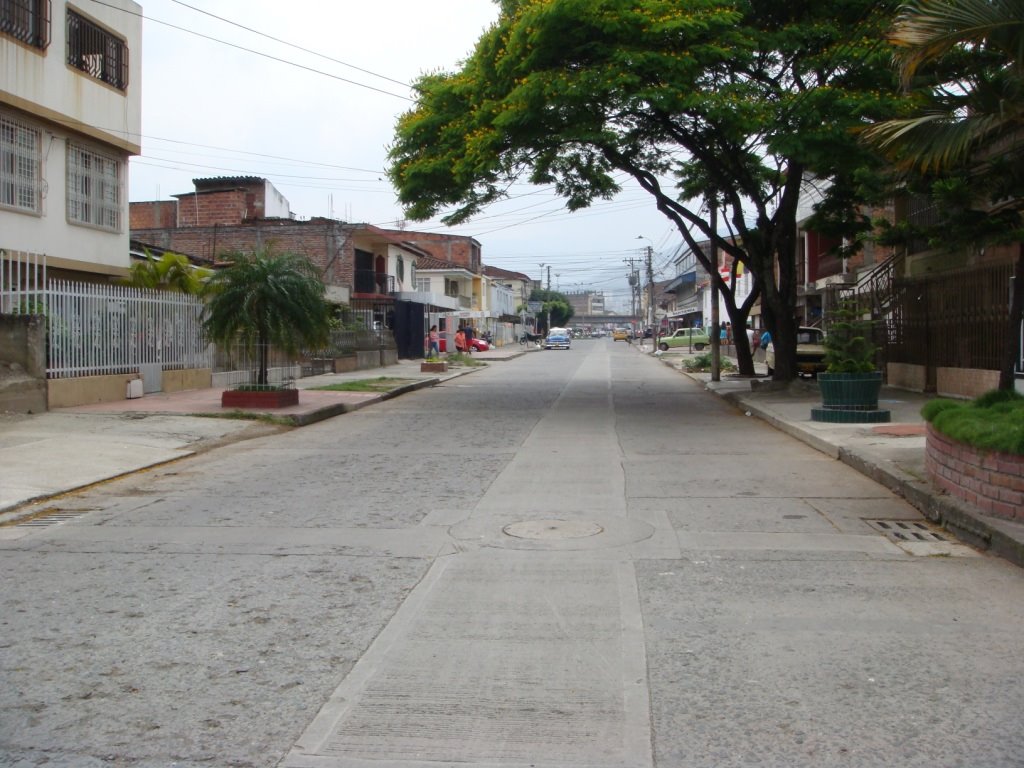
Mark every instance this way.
x=572 y=559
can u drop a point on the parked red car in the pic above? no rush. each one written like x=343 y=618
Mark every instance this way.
x=477 y=345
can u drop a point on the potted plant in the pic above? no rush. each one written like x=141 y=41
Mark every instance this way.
x=851 y=381
x=265 y=299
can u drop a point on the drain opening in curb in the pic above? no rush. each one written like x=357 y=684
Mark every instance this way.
x=906 y=530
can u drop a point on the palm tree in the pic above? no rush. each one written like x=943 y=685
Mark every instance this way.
x=970 y=116
x=172 y=272
x=266 y=298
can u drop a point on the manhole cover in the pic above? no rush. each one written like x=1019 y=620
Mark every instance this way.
x=552 y=529
x=906 y=530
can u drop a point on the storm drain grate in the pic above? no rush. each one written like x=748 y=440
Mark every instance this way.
x=55 y=518
x=906 y=530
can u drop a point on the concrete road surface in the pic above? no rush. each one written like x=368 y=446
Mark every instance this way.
x=574 y=559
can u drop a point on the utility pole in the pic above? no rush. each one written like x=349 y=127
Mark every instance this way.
x=650 y=293
x=634 y=286
x=549 y=277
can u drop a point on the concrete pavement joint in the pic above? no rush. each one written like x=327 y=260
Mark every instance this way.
x=988 y=534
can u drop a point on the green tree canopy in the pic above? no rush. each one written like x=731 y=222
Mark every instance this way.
x=743 y=99
x=266 y=298
x=170 y=272
x=557 y=311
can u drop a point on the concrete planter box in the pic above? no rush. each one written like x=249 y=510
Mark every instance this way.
x=258 y=400
x=439 y=367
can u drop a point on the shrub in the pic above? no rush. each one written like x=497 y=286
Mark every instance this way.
x=702 y=364
x=993 y=422
x=997 y=396
x=933 y=408
x=848 y=346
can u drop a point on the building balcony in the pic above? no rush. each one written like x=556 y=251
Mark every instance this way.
x=369 y=282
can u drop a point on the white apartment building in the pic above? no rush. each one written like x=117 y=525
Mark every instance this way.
x=70 y=117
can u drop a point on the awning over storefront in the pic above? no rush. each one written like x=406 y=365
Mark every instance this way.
x=689 y=278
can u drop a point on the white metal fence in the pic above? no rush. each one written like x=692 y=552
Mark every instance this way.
x=96 y=329
x=22 y=278
x=104 y=329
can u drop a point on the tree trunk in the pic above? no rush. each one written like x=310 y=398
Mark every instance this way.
x=1006 y=373
x=264 y=358
x=744 y=355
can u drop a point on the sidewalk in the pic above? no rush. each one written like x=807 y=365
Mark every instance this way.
x=890 y=454
x=48 y=454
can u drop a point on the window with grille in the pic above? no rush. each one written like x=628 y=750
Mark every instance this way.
x=922 y=212
x=20 y=184
x=94 y=188
x=26 y=20
x=96 y=52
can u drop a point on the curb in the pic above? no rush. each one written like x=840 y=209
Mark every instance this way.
x=988 y=534
x=296 y=420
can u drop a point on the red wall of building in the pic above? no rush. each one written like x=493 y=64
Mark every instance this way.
x=153 y=214
x=324 y=242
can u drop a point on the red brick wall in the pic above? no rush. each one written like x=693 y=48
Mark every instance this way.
x=325 y=243
x=991 y=481
x=231 y=206
x=153 y=214
x=458 y=249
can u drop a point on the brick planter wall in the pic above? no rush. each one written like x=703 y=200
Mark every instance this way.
x=991 y=481
x=271 y=398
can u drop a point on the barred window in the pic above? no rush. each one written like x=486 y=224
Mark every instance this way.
x=923 y=212
x=96 y=52
x=26 y=20
x=94 y=188
x=20 y=183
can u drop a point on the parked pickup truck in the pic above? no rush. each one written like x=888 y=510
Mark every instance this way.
x=697 y=338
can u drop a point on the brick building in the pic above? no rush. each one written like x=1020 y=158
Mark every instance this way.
x=371 y=270
x=457 y=249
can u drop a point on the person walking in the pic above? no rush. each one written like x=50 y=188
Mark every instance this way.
x=460 y=341
x=433 y=342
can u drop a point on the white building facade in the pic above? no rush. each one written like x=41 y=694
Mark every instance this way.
x=70 y=118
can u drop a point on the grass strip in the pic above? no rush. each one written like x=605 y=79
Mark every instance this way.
x=380 y=384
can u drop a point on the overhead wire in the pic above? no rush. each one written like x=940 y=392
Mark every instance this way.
x=255 y=52
x=292 y=45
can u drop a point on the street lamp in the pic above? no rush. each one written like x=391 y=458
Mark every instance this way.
x=650 y=286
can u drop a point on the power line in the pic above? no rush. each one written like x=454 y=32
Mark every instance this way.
x=292 y=45
x=255 y=52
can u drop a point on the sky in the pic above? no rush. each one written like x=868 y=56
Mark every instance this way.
x=222 y=100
